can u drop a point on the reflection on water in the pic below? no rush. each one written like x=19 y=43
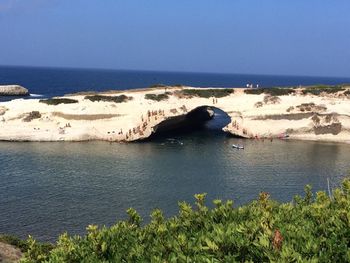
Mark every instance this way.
x=48 y=188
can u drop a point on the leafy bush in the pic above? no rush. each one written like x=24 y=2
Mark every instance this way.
x=307 y=229
x=116 y=99
x=157 y=97
x=56 y=101
x=207 y=93
x=270 y=91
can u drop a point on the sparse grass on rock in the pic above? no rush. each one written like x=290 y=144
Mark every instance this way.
x=270 y=91
x=57 y=101
x=347 y=92
x=306 y=107
x=31 y=116
x=318 y=89
x=157 y=97
x=206 y=93
x=115 y=99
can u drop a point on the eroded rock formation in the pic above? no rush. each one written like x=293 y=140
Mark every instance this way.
x=254 y=114
x=13 y=90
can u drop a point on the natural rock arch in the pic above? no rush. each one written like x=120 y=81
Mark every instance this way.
x=187 y=121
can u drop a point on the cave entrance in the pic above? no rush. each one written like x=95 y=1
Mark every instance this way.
x=203 y=120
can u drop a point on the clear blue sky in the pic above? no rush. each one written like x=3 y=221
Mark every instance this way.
x=299 y=37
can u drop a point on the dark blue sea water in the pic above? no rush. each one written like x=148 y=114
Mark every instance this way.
x=49 y=188
x=60 y=81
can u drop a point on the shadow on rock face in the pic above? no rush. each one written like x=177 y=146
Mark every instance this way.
x=201 y=118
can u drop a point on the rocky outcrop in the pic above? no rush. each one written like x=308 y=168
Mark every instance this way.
x=13 y=90
x=9 y=254
x=300 y=116
x=3 y=110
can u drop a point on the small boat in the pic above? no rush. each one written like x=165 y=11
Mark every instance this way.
x=283 y=136
x=238 y=146
x=174 y=141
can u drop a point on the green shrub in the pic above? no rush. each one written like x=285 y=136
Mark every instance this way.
x=270 y=91
x=207 y=93
x=116 y=99
x=306 y=230
x=56 y=101
x=317 y=90
x=157 y=97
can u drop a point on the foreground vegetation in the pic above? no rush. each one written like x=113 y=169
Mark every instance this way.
x=307 y=229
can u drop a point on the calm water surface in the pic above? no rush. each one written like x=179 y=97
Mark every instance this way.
x=49 y=188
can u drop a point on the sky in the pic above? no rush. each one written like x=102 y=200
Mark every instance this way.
x=283 y=37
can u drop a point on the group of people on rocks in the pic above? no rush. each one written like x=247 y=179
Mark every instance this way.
x=62 y=130
x=235 y=125
x=140 y=129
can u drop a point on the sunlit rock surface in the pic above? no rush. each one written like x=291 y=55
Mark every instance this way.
x=137 y=114
x=13 y=90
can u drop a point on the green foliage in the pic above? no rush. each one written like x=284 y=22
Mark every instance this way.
x=310 y=229
x=56 y=101
x=207 y=93
x=116 y=99
x=270 y=91
x=35 y=251
x=317 y=90
x=157 y=97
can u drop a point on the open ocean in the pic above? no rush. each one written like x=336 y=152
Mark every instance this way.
x=59 y=81
x=49 y=188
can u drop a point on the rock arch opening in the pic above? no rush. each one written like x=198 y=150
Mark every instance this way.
x=204 y=118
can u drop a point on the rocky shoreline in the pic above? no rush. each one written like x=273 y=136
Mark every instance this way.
x=132 y=115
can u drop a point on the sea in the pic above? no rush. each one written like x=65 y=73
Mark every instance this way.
x=48 y=188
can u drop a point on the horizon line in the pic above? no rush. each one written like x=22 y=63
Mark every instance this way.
x=170 y=71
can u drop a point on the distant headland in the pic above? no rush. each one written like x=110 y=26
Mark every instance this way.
x=13 y=90
x=307 y=113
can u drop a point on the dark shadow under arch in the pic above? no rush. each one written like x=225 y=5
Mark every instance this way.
x=209 y=118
